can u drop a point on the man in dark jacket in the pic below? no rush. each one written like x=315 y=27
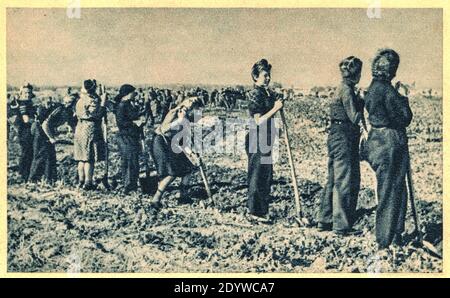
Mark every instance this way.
x=338 y=205
x=389 y=115
x=26 y=114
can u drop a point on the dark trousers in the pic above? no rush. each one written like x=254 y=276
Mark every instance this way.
x=130 y=148
x=338 y=203
x=43 y=164
x=388 y=157
x=260 y=175
x=26 y=149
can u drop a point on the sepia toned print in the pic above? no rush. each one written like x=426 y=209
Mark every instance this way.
x=224 y=140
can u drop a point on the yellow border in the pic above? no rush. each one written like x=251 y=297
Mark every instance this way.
x=445 y=5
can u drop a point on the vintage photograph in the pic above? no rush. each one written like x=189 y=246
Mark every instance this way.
x=224 y=140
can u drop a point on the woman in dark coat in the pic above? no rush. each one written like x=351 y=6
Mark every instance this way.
x=25 y=118
x=172 y=157
x=338 y=205
x=129 y=136
x=259 y=141
x=389 y=115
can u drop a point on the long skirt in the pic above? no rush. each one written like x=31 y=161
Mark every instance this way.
x=388 y=157
x=338 y=204
x=89 y=145
x=167 y=162
x=44 y=157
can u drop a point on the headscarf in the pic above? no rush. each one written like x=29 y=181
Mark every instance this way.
x=385 y=64
x=89 y=86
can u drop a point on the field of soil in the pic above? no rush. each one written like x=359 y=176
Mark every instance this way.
x=62 y=229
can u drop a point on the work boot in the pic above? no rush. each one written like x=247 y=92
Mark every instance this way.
x=156 y=202
x=128 y=189
x=89 y=186
x=182 y=196
x=323 y=227
x=347 y=232
x=156 y=205
x=255 y=219
x=398 y=240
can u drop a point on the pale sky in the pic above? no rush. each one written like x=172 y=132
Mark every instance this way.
x=216 y=46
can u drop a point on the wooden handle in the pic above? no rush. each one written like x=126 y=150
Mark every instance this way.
x=411 y=195
x=291 y=164
x=205 y=181
x=105 y=135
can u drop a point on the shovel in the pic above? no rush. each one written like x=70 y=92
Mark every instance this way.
x=411 y=194
x=148 y=183
x=105 y=181
x=205 y=181
x=202 y=171
x=302 y=221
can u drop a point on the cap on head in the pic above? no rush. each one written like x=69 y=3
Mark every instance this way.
x=89 y=86
x=126 y=89
x=26 y=91
x=27 y=86
x=385 y=64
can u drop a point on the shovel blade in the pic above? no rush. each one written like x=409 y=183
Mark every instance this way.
x=431 y=249
x=302 y=221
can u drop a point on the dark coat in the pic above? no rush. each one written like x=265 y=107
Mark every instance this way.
x=389 y=115
x=259 y=142
x=338 y=204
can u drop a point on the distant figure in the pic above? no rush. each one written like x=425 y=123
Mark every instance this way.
x=89 y=144
x=179 y=98
x=213 y=98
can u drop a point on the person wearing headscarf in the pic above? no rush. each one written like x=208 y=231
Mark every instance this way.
x=48 y=119
x=173 y=157
x=129 y=135
x=180 y=98
x=213 y=98
x=263 y=106
x=338 y=204
x=387 y=144
x=166 y=103
x=89 y=143
x=25 y=118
